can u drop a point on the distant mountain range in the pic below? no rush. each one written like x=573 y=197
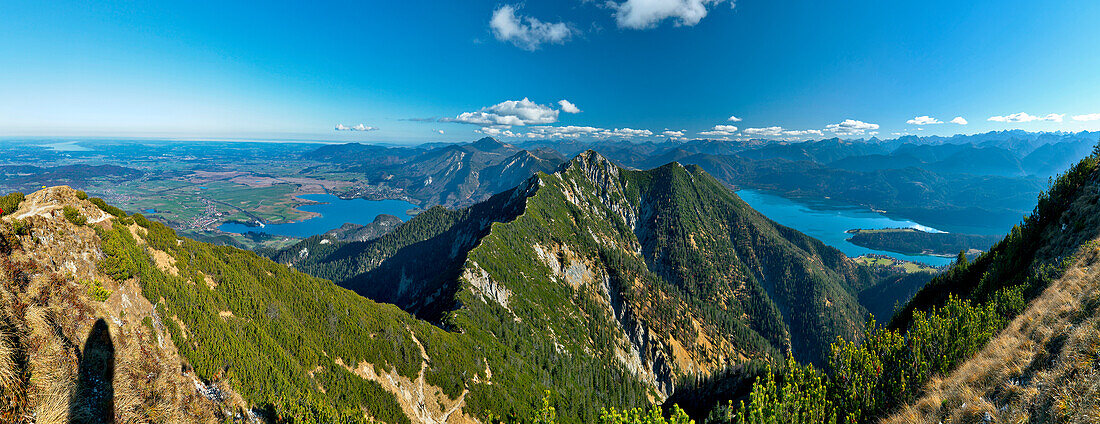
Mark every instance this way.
x=957 y=183
x=451 y=175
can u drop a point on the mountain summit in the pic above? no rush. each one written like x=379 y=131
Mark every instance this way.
x=665 y=273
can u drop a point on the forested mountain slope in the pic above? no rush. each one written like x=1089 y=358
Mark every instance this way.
x=255 y=338
x=666 y=271
x=547 y=300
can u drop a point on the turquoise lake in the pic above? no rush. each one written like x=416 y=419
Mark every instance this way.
x=334 y=213
x=828 y=223
x=824 y=221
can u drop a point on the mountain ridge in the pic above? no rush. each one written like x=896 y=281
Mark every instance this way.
x=624 y=215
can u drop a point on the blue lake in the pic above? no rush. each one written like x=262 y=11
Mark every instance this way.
x=828 y=223
x=334 y=213
x=66 y=146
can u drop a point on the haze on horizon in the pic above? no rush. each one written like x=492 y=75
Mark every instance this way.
x=396 y=72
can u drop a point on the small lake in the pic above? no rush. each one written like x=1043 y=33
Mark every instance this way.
x=334 y=213
x=828 y=222
x=66 y=146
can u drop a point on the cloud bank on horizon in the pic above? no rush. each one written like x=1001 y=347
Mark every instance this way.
x=1025 y=117
x=499 y=120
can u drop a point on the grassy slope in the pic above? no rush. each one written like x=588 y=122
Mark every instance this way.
x=1041 y=366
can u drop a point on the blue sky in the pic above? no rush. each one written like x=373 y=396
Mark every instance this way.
x=406 y=71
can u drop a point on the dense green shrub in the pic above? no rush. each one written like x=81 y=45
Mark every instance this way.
x=96 y=291
x=285 y=334
x=10 y=202
x=102 y=204
x=74 y=216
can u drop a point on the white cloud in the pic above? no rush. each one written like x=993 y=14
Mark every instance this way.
x=439 y=131
x=851 y=127
x=959 y=120
x=734 y=118
x=673 y=134
x=527 y=35
x=923 y=120
x=360 y=127
x=1024 y=117
x=644 y=14
x=568 y=107
x=509 y=113
x=720 y=131
x=1088 y=117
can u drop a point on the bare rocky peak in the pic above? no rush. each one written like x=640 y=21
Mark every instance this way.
x=51 y=202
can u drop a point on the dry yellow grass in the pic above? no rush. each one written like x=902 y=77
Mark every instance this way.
x=1044 y=367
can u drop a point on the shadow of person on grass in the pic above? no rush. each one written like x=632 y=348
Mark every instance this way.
x=93 y=400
